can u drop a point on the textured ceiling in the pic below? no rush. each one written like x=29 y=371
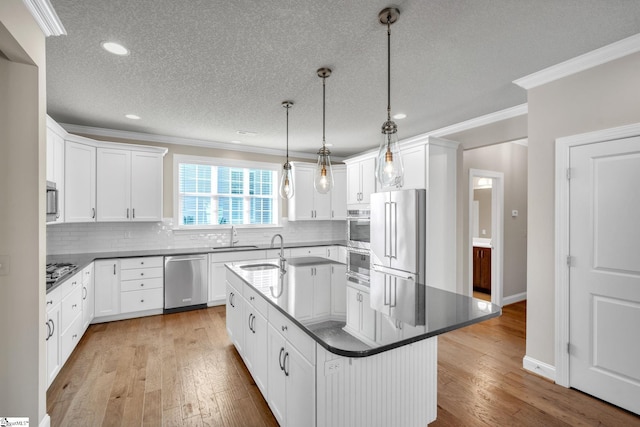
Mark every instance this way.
x=205 y=69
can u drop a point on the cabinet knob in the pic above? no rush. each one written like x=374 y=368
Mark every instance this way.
x=284 y=328
x=141 y=300
x=142 y=274
x=141 y=284
x=49 y=302
x=74 y=305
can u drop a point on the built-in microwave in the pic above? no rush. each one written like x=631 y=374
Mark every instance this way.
x=52 y=202
x=358 y=265
x=358 y=233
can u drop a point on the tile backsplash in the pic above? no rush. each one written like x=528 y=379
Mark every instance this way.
x=125 y=236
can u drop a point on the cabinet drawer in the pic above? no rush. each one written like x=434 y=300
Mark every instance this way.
x=141 y=284
x=70 y=338
x=141 y=273
x=320 y=251
x=71 y=307
x=53 y=298
x=70 y=284
x=87 y=274
x=256 y=300
x=141 y=262
x=299 y=339
x=147 y=299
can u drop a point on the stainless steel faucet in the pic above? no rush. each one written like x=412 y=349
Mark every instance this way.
x=234 y=234
x=282 y=258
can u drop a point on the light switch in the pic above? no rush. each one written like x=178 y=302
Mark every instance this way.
x=514 y=213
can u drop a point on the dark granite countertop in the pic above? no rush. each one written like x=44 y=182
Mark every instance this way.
x=441 y=312
x=82 y=260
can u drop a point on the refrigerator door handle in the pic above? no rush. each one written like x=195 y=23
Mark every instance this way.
x=387 y=229
x=393 y=293
x=394 y=221
x=384 y=302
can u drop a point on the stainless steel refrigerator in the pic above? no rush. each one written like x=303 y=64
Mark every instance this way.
x=398 y=227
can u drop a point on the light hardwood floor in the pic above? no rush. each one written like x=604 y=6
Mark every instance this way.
x=181 y=370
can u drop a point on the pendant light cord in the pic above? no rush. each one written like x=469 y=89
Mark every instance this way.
x=288 y=133
x=323 y=109
x=388 y=67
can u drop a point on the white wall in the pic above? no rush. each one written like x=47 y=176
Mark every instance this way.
x=22 y=219
x=599 y=98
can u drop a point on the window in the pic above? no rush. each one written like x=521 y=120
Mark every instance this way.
x=213 y=191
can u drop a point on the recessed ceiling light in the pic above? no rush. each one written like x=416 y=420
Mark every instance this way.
x=246 y=133
x=132 y=116
x=399 y=116
x=115 y=48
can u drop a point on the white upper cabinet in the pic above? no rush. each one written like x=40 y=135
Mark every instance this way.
x=361 y=180
x=414 y=162
x=129 y=185
x=146 y=186
x=55 y=163
x=80 y=182
x=307 y=203
x=114 y=184
x=339 y=193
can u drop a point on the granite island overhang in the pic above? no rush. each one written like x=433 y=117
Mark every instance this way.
x=366 y=366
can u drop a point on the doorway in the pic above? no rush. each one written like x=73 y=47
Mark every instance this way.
x=486 y=228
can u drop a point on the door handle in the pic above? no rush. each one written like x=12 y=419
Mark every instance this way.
x=93 y=213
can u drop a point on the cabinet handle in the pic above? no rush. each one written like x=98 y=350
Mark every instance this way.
x=74 y=336
x=253 y=324
x=250 y=321
x=93 y=213
x=48 y=331
x=231 y=299
x=84 y=292
x=284 y=364
x=142 y=274
x=280 y=362
x=141 y=300
x=141 y=262
x=53 y=326
x=141 y=284
x=251 y=298
x=134 y=213
x=49 y=302
x=114 y=269
x=127 y=213
x=284 y=328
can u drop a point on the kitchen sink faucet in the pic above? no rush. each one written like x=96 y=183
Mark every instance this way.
x=282 y=258
x=234 y=235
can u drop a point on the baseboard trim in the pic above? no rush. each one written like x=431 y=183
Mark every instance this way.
x=539 y=368
x=512 y=299
x=46 y=421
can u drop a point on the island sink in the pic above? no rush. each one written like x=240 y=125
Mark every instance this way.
x=259 y=267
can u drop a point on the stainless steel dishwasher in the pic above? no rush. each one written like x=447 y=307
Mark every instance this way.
x=185 y=282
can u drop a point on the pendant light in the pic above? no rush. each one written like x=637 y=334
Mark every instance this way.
x=323 y=175
x=389 y=169
x=286 y=183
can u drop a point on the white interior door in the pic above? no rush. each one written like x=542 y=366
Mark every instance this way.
x=604 y=277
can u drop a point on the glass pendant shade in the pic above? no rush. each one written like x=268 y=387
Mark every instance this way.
x=323 y=174
x=389 y=168
x=286 y=183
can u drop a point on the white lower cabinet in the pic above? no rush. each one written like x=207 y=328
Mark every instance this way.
x=361 y=318
x=235 y=309
x=54 y=361
x=292 y=387
x=255 y=340
x=128 y=287
x=107 y=287
x=88 y=297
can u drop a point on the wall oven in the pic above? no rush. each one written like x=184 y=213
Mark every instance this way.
x=358 y=265
x=358 y=236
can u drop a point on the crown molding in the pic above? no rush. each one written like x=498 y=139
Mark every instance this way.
x=591 y=59
x=164 y=139
x=46 y=17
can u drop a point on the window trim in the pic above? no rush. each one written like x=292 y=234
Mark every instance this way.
x=224 y=162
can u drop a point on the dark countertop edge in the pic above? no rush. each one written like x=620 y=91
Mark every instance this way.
x=83 y=260
x=376 y=350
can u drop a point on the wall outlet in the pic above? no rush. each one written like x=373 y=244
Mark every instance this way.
x=514 y=213
x=332 y=367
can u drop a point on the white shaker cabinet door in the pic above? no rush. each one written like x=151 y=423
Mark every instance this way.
x=146 y=186
x=80 y=183
x=368 y=179
x=113 y=180
x=107 y=287
x=301 y=389
x=276 y=380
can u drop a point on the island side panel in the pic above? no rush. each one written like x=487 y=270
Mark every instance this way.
x=396 y=387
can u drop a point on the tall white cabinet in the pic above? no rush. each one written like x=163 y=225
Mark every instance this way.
x=55 y=163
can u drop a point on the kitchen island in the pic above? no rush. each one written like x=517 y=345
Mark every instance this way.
x=321 y=356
